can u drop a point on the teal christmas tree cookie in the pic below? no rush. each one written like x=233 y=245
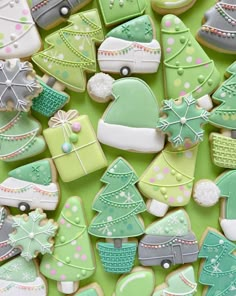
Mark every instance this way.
x=218 y=271
x=187 y=68
x=139 y=29
x=182 y=121
x=72 y=258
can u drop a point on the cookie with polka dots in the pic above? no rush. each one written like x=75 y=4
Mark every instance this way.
x=187 y=68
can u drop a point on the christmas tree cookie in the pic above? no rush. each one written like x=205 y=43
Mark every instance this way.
x=48 y=14
x=140 y=281
x=131 y=48
x=168 y=181
x=218 y=272
x=130 y=121
x=208 y=193
x=19 y=136
x=19 y=35
x=178 y=283
x=169 y=241
x=172 y=6
x=72 y=259
x=218 y=30
x=6 y=250
x=70 y=52
x=182 y=120
x=118 y=11
x=187 y=68
x=21 y=277
x=118 y=205
x=31 y=186
x=223 y=116
x=33 y=234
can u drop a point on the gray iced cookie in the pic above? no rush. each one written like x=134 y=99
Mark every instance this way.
x=18 y=85
x=6 y=250
x=48 y=14
x=219 y=29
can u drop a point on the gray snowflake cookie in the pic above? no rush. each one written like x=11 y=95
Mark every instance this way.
x=18 y=85
x=182 y=120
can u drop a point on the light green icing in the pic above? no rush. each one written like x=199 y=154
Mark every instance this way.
x=38 y=172
x=89 y=156
x=139 y=29
x=224 y=116
x=140 y=282
x=226 y=184
x=218 y=270
x=71 y=50
x=72 y=257
x=183 y=121
x=132 y=94
x=171 y=4
x=19 y=136
x=169 y=179
x=31 y=236
x=18 y=270
x=89 y=292
x=118 y=204
x=179 y=283
x=174 y=224
x=119 y=11
x=187 y=68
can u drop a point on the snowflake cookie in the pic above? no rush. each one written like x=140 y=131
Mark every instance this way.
x=33 y=234
x=182 y=120
x=18 y=85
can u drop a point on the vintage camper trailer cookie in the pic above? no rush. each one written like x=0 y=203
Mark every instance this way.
x=131 y=48
x=169 y=241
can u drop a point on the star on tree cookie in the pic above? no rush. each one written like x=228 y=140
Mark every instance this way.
x=182 y=120
x=33 y=234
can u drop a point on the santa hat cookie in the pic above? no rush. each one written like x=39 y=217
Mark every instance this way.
x=129 y=122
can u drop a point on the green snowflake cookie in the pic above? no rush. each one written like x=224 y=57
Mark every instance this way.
x=182 y=120
x=33 y=234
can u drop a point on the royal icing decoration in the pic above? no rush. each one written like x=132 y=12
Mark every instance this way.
x=168 y=242
x=187 y=68
x=17 y=29
x=31 y=186
x=118 y=205
x=218 y=270
x=91 y=290
x=18 y=85
x=76 y=153
x=219 y=29
x=125 y=125
x=19 y=136
x=178 y=283
x=118 y=11
x=172 y=6
x=33 y=234
x=6 y=250
x=169 y=178
x=140 y=281
x=20 y=277
x=48 y=13
x=71 y=50
x=72 y=257
x=183 y=120
x=130 y=48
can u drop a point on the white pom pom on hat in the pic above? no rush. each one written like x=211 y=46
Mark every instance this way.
x=206 y=193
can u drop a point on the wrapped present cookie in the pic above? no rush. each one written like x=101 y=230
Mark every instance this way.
x=73 y=145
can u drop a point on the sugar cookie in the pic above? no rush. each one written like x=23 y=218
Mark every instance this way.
x=91 y=290
x=172 y=6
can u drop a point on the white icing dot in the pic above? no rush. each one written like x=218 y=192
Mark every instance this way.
x=223 y=94
x=73 y=242
x=77 y=37
x=177 y=21
x=61 y=56
x=64 y=10
x=74 y=209
x=160 y=176
x=189 y=59
x=81 y=47
x=213 y=260
x=59 y=264
x=187 y=85
x=221 y=241
x=188 y=154
x=109 y=218
x=180 y=198
x=109 y=233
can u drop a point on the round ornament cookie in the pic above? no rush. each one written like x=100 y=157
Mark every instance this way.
x=172 y=6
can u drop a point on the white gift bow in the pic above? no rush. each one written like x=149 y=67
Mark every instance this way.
x=62 y=117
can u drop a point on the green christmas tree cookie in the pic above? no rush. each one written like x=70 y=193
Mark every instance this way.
x=218 y=270
x=72 y=258
x=118 y=205
x=187 y=68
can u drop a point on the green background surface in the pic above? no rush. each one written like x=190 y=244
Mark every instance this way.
x=88 y=186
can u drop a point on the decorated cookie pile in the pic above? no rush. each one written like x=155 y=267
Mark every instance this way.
x=143 y=155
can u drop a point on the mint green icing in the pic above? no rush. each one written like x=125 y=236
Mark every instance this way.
x=38 y=172
x=118 y=204
x=89 y=292
x=139 y=29
x=134 y=104
x=18 y=270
